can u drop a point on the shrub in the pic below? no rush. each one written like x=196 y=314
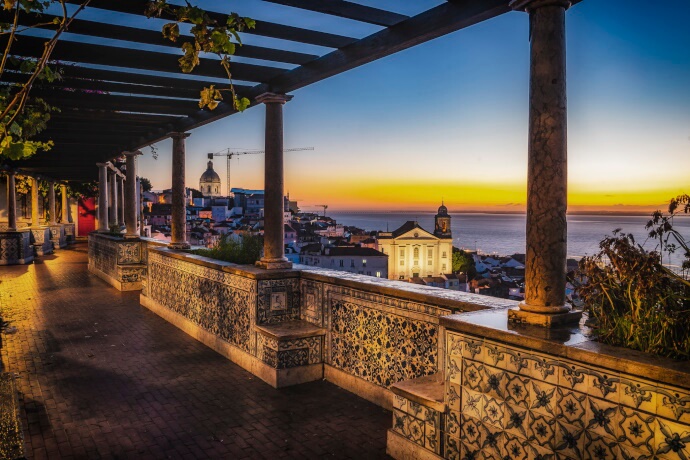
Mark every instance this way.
x=634 y=300
x=245 y=250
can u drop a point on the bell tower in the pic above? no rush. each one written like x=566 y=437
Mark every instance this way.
x=442 y=223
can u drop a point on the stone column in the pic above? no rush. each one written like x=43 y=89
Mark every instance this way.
x=179 y=206
x=113 y=198
x=102 y=197
x=130 y=208
x=121 y=200
x=545 y=281
x=274 y=249
x=65 y=206
x=51 y=202
x=35 y=221
x=11 y=202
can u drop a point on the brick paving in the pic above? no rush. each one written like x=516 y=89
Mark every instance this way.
x=103 y=377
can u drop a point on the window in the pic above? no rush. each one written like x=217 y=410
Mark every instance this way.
x=378 y=274
x=443 y=268
x=352 y=262
x=444 y=255
x=430 y=253
x=369 y=273
x=402 y=253
x=402 y=262
x=342 y=263
x=402 y=277
x=429 y=262
x=364 y=262
x=416 y=253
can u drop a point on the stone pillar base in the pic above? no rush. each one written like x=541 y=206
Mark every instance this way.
x=274 y=264
x=15 y=247
x=57 y=236
x=544 y=319
x=179 y=246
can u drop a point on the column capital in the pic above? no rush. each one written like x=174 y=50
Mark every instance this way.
x=273 y=98
x=132 y=154
x=102 y=165
x=531 y=5
x=179 y=134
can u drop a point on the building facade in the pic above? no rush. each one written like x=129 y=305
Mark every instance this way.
x=363 y=261
x=415 y=252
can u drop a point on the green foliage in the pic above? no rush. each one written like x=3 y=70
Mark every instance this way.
x=463 y=262
x=145 y=184
x=634 y=300
x=209 y=36
x=245 y=251
x=83 y=190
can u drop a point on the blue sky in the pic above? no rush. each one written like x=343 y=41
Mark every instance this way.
x=449 y=117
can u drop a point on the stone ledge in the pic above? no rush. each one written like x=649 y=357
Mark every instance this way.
x=573 y=342
x=428 y=391
x=444 y=298
x=248 y=271
x=287 y=330
x=12 y=440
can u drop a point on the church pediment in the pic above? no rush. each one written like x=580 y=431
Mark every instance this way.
x=417 y=233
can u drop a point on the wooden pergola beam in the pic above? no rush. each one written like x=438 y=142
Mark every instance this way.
x=348 y=10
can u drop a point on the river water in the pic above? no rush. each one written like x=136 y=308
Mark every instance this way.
x=504 y=234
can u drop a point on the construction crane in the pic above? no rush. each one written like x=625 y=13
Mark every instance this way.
x=324 y=206
x=233 y=153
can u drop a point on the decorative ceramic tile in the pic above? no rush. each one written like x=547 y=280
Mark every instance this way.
x=432 y=438
x=542 y=398
x=537 y=452
x=601 y=417
x=673 y=404
x=472 y=403
x=600 y=447
x=277 y=300
x=493 y=382
x=517 y=362
x=409 y=427
x=494 y=355
x=542 y=368
x=571 y=406
x=453 y=396
x=493 y=411
x=451 y=448
x=637 y=429
x=541 y=430
x=516 y=448
x=492 y=441
x=672 y=440
x=517 y=389
x=516 y=420
x=569 y=440
x=312 y=298
x=454 y=368
x=472 y=348
x=400 y=403
x=638 y=394
x=603 y=385
x=472 y=375
x=573 y=376
x=470 y=431
x=452 y=424
x=628 y=453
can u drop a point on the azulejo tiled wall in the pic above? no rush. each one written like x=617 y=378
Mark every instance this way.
x=278 y=301
x=379 y=338
x=417 y=423
x=218 y=302
x=286 y=354
x=15 y=247
x=118 y=260
x=508 y=402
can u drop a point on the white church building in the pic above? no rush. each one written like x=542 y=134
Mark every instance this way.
x=413 y=251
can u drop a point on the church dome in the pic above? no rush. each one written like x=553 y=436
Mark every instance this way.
x=442 y=210
x=210 y=175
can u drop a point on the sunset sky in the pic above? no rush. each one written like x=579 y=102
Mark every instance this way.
x=448 y=119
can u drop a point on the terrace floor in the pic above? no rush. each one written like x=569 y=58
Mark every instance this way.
x=102 y=377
